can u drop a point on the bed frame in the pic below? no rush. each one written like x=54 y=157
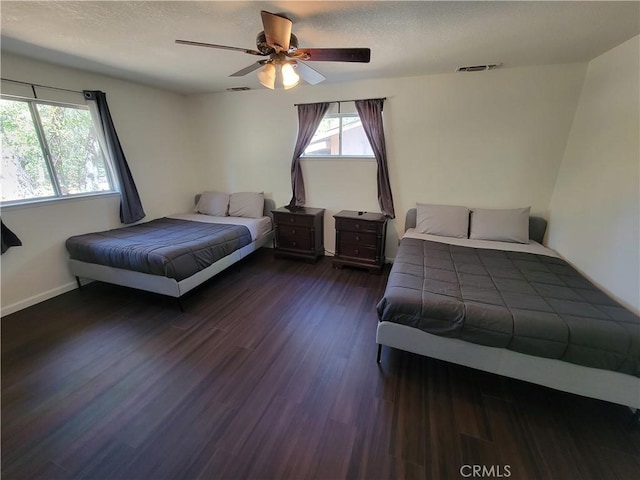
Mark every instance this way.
x=164 y=285
x=590 y=382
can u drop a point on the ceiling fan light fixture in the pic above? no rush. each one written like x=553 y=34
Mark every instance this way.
x=289 y=77
x=267 y=76
x=286 y=60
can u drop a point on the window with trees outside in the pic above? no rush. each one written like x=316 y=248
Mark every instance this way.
x=49 y=150
x=339 y=135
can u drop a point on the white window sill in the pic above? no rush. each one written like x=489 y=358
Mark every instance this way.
x=9 y=206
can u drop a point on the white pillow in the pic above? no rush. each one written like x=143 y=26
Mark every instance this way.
x=506 y=225
x=246 y=204
x=443 y=220
x=213 y=203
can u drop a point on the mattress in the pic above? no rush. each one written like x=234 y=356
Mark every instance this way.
x=169 y=247
x=529 y=301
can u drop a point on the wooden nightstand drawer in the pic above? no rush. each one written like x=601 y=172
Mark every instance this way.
x=356 y=225
x=294 y=232
x=298 y=243
x=358 y=252
x=359 y=238
x=293 y=220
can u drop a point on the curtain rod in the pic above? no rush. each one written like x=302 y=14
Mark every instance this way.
x=340 y=101
x=33 y=85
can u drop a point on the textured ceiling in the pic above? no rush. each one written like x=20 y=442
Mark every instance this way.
x=135 y=40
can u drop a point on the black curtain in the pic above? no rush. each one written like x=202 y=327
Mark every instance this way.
x=9 y=239
x=370 y=112
x=130 y=205
x=309 y=117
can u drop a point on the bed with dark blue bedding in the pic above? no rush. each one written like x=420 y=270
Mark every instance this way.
x=168 y=247
x=170 y=255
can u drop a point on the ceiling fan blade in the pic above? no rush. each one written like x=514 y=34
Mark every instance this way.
x=249 y=69
x=362 y=55
x=309 y=74
x=223 y=47
x=277 y=30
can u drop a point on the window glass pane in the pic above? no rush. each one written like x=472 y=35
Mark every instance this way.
x=327 y=142
x=24 y=172
x=74 y=148
x=348 y=120
x=354 y=140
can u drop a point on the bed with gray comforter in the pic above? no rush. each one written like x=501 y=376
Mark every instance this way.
x=532 y=304
x=172 y=255
x=167 y=247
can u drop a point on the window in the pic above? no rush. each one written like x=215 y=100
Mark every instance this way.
x=49 y=150
x=339 y=135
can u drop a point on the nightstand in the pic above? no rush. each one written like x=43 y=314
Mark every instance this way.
x=299 y=232
x=360 y=240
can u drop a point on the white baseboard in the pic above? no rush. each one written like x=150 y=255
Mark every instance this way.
x=41 y=297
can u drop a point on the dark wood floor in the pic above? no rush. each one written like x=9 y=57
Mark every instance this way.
x=270 y=372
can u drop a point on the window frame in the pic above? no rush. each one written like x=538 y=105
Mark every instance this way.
x=48 y=159
x=341 y=116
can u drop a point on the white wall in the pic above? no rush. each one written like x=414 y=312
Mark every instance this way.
x=153 y=130
x=485 y=139
x=595 y=208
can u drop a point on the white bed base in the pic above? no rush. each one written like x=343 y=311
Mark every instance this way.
x=590 y=382
x=157 y=283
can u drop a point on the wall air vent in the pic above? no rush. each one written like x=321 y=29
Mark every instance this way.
x=238 y=89
x=478 y=68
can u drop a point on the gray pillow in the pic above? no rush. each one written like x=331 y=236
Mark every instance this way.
x=502 y=225
x=246 y=204
x=443 y=220
x=213 y=203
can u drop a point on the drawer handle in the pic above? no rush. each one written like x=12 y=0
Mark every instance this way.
x=295 y=244
x=357 y=238
x=293 y=231
x=357 y=225
x=356 y=251
x=293 y=220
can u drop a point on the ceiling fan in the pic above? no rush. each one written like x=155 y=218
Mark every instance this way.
x=285 y=57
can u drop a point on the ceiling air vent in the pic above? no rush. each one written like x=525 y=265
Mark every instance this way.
x=478 y=68
x=238 y=89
